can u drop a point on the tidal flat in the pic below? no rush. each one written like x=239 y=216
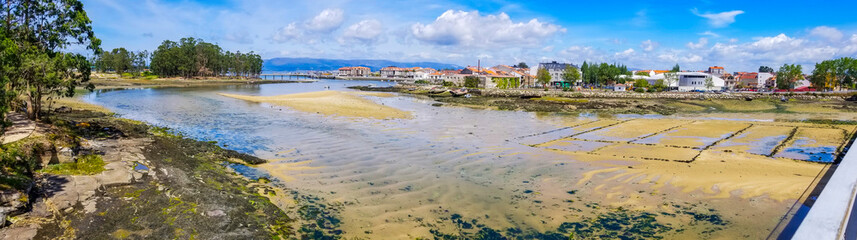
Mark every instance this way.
x=458 y=171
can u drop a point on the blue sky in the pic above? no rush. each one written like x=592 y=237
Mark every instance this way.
x=740 y=35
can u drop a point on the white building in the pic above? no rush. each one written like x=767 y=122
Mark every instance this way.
x=688 y=81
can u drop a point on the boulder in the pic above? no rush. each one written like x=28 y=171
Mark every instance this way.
x=65 y=155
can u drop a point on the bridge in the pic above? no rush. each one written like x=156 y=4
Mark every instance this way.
x=287 y=76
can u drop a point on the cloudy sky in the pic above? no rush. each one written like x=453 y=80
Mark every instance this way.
x=740 y=35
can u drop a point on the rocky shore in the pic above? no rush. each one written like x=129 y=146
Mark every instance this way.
x=152 y=184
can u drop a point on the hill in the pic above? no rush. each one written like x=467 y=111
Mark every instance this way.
x=317 y=64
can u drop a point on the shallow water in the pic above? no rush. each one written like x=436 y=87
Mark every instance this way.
x=509 y=171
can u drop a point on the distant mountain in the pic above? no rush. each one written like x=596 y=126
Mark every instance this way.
x=317 y=64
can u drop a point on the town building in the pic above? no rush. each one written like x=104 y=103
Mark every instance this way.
x=556 y=69
x=393 y=72
x=716 y=71
x=689 y=81
x=354 y=71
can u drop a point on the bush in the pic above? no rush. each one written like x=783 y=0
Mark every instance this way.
x=448 y=84
x=127 y=75
x=421 y=82
x=639 y=90
x=471 y=82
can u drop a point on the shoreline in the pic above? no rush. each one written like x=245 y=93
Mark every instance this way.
x=153 y=184
x=122 y=83
x=597 y=102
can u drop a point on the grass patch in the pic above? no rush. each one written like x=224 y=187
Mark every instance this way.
x=85 y=165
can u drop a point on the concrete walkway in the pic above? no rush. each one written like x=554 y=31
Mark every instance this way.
x=830 y=214
x=21 y=128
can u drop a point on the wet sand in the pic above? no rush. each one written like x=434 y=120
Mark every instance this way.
x=534 y=172
x=338 y=103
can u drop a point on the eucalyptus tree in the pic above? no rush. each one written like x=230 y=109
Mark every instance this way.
x=36 y=35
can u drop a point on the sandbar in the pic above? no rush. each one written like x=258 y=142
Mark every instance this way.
x=336 y=103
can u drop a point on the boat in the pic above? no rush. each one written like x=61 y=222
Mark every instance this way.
x=458 y=92
x=437 y=90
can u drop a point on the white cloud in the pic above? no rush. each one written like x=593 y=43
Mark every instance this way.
x=473 y=30
x=648 y=45
x=780 y=42
x=719 y=19
x=578 y=54
x=851 y=48
x=710 y=34
x=623 y=54
x=702 y=42
x=548 y=49
x=328 y=20
x=827 y=33
x=287 y=33
x=366 y=31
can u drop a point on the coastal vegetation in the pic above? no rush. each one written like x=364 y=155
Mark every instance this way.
x=192 y=57
x=835 y=74
x=788 y=75
x=34 y=61
x=122 y=61
x=603 y=73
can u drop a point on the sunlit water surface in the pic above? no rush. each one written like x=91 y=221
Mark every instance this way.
x=402 y=178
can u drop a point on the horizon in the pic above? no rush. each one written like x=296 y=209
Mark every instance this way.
x=695 y=35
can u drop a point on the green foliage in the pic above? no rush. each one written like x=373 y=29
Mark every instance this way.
x=659 y=85
x=122 y=61
x=522 y=65
x=641 y=73
x=34 y=36
x=544 y=77
x=832 y=74
x=788 y=75
x=192 y=57
x=603 y=73
x=506 y=82
x=421 y=82
x=471 y=82
x=676 y=68
x=85 y=165
x=765 y=69
x=570 y=74
x=641 y=83
x=448 y=84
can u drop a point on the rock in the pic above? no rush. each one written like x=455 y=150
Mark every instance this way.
x=63 y=109
x=65 y=155
x=852 y=98
x=215 y=213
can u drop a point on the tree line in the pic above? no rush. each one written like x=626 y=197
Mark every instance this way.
x=192 y=57
x=835 y=74
x=34 y=63
x=189 y=57
x=602 y=73
x=122 y=61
